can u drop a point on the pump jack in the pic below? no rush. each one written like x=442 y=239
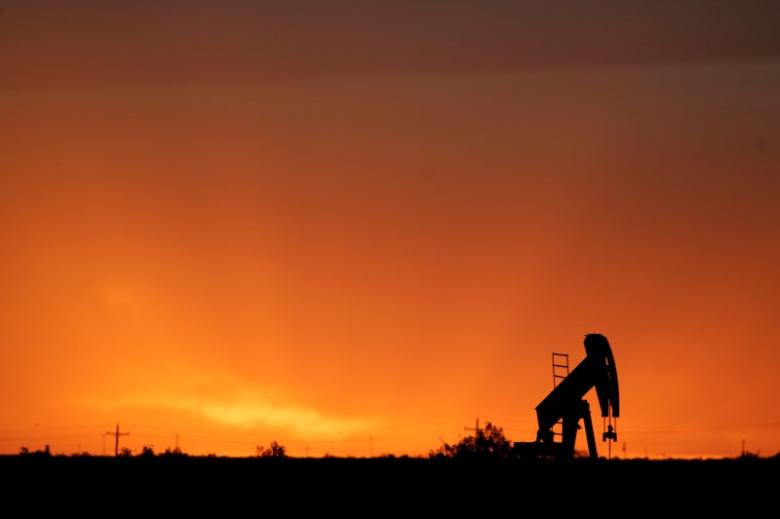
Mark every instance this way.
x=566 y=404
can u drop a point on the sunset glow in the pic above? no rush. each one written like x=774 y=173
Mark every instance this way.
x=354 y=229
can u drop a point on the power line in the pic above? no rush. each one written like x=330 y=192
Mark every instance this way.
x=717 y=428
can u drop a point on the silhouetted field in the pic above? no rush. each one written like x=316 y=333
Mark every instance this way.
x=399 y=482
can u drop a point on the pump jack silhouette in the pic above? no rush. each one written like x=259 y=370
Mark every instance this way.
x=566 y=405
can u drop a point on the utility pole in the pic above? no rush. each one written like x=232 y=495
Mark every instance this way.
x=475 y=429
x=116 y=436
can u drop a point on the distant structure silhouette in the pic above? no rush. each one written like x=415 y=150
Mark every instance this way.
x=566 y=403
x=116 y=436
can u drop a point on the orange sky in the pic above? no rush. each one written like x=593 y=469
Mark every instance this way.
x=355 y=229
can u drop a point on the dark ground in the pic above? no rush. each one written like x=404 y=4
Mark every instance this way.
x=394 y=485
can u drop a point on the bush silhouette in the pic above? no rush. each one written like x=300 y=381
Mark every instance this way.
x=487 y=443
x=276 y=450
x=175 y=452
x=147 y=452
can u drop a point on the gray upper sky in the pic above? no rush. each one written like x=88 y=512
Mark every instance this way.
x=205 y=40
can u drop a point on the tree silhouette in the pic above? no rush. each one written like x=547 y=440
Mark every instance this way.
x=488 y=443
x=276 y=450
